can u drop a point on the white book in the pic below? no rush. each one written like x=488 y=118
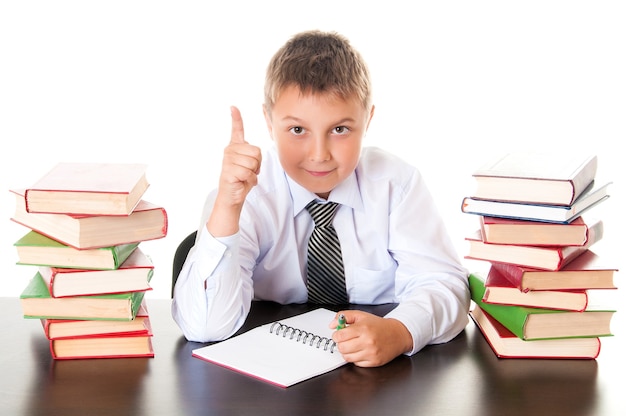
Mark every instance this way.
x=594 y=195
x=535 y=177
x=282 y=353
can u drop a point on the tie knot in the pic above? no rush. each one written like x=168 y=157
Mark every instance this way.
x=322 y=213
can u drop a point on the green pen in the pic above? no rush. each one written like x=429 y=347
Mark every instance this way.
x=341 y=324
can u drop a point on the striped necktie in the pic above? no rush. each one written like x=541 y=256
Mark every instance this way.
x=326 y=282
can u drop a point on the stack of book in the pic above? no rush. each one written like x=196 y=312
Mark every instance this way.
x=85 y=223
x=546 y=293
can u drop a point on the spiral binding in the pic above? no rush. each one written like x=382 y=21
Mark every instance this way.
x=303 y=336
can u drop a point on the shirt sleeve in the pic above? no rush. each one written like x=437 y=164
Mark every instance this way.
x=211 y=296
x=431 y=284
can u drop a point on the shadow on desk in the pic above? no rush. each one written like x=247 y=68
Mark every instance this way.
x=556 y=387
x=80 y=387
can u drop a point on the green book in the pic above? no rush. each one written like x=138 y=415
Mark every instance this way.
x=538 y=323
x=38 y=250
x=37 y=303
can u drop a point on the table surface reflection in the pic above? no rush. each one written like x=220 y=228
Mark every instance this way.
x=462 y=377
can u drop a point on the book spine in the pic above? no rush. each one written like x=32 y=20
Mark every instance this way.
x=586 y=302
x=570 y=253
x=136 y=301
x=513 y=318
x=595 y=233
x=51 y=284
x=165 y=222
x=53 y=352
x=45 y=324
x=585 y=176
x=26 y=200
x=512 y=273
x=121 y=252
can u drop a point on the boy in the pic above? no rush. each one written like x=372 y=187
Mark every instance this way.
x=253 y=239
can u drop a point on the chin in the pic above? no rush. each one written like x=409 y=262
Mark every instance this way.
x=320 y=189
x=323 y=195
x=314 y=186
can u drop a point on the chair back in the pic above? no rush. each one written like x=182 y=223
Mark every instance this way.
x=180 y=255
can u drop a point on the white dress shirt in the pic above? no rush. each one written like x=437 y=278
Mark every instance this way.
x=395 y=249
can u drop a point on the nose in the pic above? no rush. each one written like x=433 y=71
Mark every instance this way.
x=319 y=150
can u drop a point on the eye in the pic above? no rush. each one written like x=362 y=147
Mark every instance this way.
x=341 y=130
x=297 y=130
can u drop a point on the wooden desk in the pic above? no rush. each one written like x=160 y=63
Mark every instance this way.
x=462 y=377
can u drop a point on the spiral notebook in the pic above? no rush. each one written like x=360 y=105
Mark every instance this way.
x=283 y=353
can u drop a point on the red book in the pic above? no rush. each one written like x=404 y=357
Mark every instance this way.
x=506 y=345
x=587 y=271
x=539 y=257
x=72 y=328
x=88 y=189
x=499 y=290
x=133 y=275
x=148 y=221
x=124 y=346
x=497 y=230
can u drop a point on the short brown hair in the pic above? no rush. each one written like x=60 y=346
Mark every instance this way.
x=316 y=61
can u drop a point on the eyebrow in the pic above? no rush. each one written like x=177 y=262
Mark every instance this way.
x=300 y=121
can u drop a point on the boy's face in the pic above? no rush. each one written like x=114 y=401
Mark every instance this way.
x=318 y=137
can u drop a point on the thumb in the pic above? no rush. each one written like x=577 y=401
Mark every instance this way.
x=236 y=134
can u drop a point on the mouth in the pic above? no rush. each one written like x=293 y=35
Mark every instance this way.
x=318 y=173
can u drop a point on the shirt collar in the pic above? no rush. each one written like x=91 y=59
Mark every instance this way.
x=346 y=193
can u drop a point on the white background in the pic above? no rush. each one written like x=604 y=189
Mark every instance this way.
x=152 y=81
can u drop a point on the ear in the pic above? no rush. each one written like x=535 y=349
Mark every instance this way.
x=370 y=117
x=268 y=121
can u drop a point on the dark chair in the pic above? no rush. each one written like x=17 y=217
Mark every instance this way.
x=180 y=255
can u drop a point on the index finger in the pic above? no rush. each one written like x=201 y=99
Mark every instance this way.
x=236 y=134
